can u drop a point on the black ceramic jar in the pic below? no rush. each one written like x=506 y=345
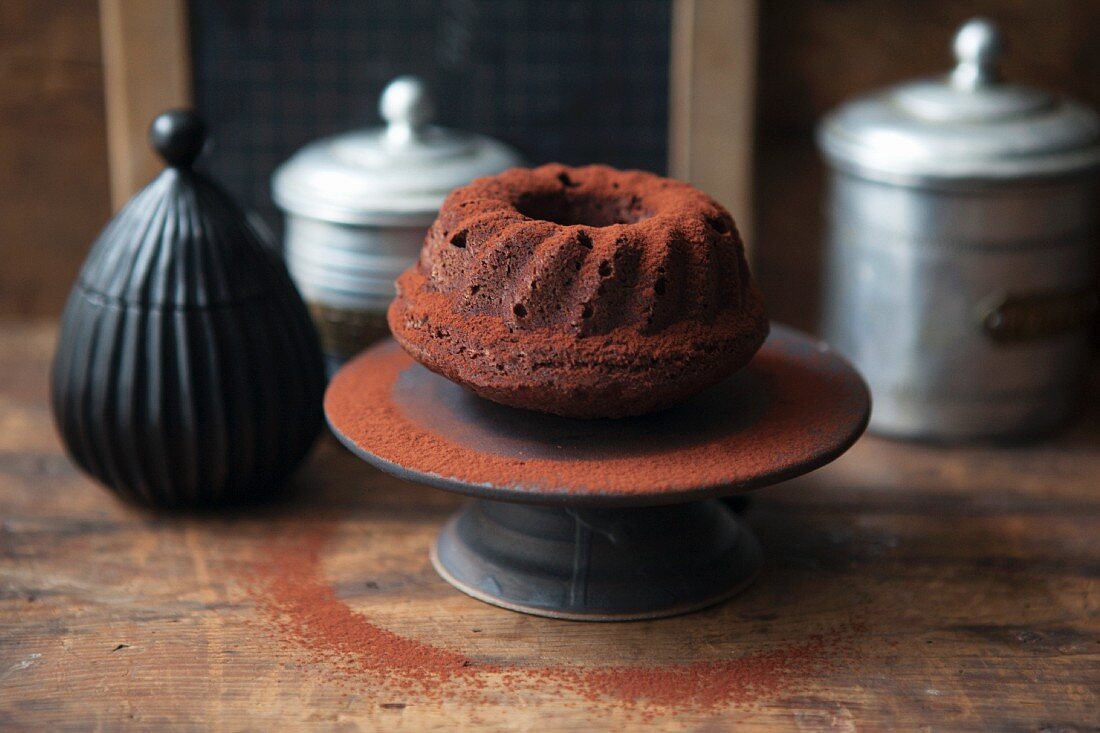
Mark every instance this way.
x=188 y=373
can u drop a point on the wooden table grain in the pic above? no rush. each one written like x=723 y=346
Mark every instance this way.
x=950 y=589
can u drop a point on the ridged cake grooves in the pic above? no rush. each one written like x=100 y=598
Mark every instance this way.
x=630 y=293
x=537 y=274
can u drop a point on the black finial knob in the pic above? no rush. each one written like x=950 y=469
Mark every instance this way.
x=179 y=136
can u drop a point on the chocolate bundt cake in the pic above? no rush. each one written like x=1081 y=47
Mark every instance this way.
x=584 y=292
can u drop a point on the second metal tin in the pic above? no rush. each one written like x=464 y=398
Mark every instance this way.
x=962 y=246
x=357 y=207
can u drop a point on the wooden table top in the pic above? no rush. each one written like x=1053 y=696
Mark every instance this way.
x=905 y=587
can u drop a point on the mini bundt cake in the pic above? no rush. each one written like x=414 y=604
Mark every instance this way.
x=583 y=292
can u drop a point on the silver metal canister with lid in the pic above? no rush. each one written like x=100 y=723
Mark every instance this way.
x=358 y=205
x=962 y=248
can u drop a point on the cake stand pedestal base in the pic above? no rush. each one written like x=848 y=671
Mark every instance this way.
x=602 y=520
x=597 y=564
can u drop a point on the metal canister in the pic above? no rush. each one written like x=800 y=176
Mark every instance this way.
x=358 y=205
x=962 y=247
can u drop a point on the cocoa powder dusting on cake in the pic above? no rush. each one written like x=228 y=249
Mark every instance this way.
x=583 y=292
x=290 y=589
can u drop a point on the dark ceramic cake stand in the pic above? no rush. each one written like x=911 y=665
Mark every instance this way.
x=601 y=519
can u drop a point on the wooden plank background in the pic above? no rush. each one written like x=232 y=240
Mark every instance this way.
x=812 y=56
x=53 y=150
x=711 y=100
x=935 y=589
x=147 y=69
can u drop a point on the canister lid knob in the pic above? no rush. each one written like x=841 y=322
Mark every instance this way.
x=407 y=108
x=978 y=47
x=394 y=175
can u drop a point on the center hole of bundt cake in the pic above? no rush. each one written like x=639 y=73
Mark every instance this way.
x=569 y=208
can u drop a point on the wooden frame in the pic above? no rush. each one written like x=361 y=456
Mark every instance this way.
x=146 y=69
x=712 y=100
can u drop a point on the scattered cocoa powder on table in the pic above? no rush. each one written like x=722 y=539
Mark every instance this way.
x=289 y=587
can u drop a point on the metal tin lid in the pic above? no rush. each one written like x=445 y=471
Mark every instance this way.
x=968 y=125
x=397 y=175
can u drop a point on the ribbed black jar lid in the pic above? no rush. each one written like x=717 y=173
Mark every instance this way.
x=181 y=242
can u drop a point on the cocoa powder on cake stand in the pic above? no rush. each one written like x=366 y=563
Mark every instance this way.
x=602 y=519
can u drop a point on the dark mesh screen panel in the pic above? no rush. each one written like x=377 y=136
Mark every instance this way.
x=571 y=80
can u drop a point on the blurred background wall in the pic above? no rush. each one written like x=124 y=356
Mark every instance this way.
x=574 y=80
x=53 y=150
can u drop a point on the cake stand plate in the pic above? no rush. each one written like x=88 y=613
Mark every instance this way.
x=601 y=519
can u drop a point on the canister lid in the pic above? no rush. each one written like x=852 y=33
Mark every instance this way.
x=397 y=175
x=968 y=124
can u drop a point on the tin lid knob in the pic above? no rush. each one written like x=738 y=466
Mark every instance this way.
x=978 y=47
x=394 y=175
x=179 y=136
x=407 y=108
